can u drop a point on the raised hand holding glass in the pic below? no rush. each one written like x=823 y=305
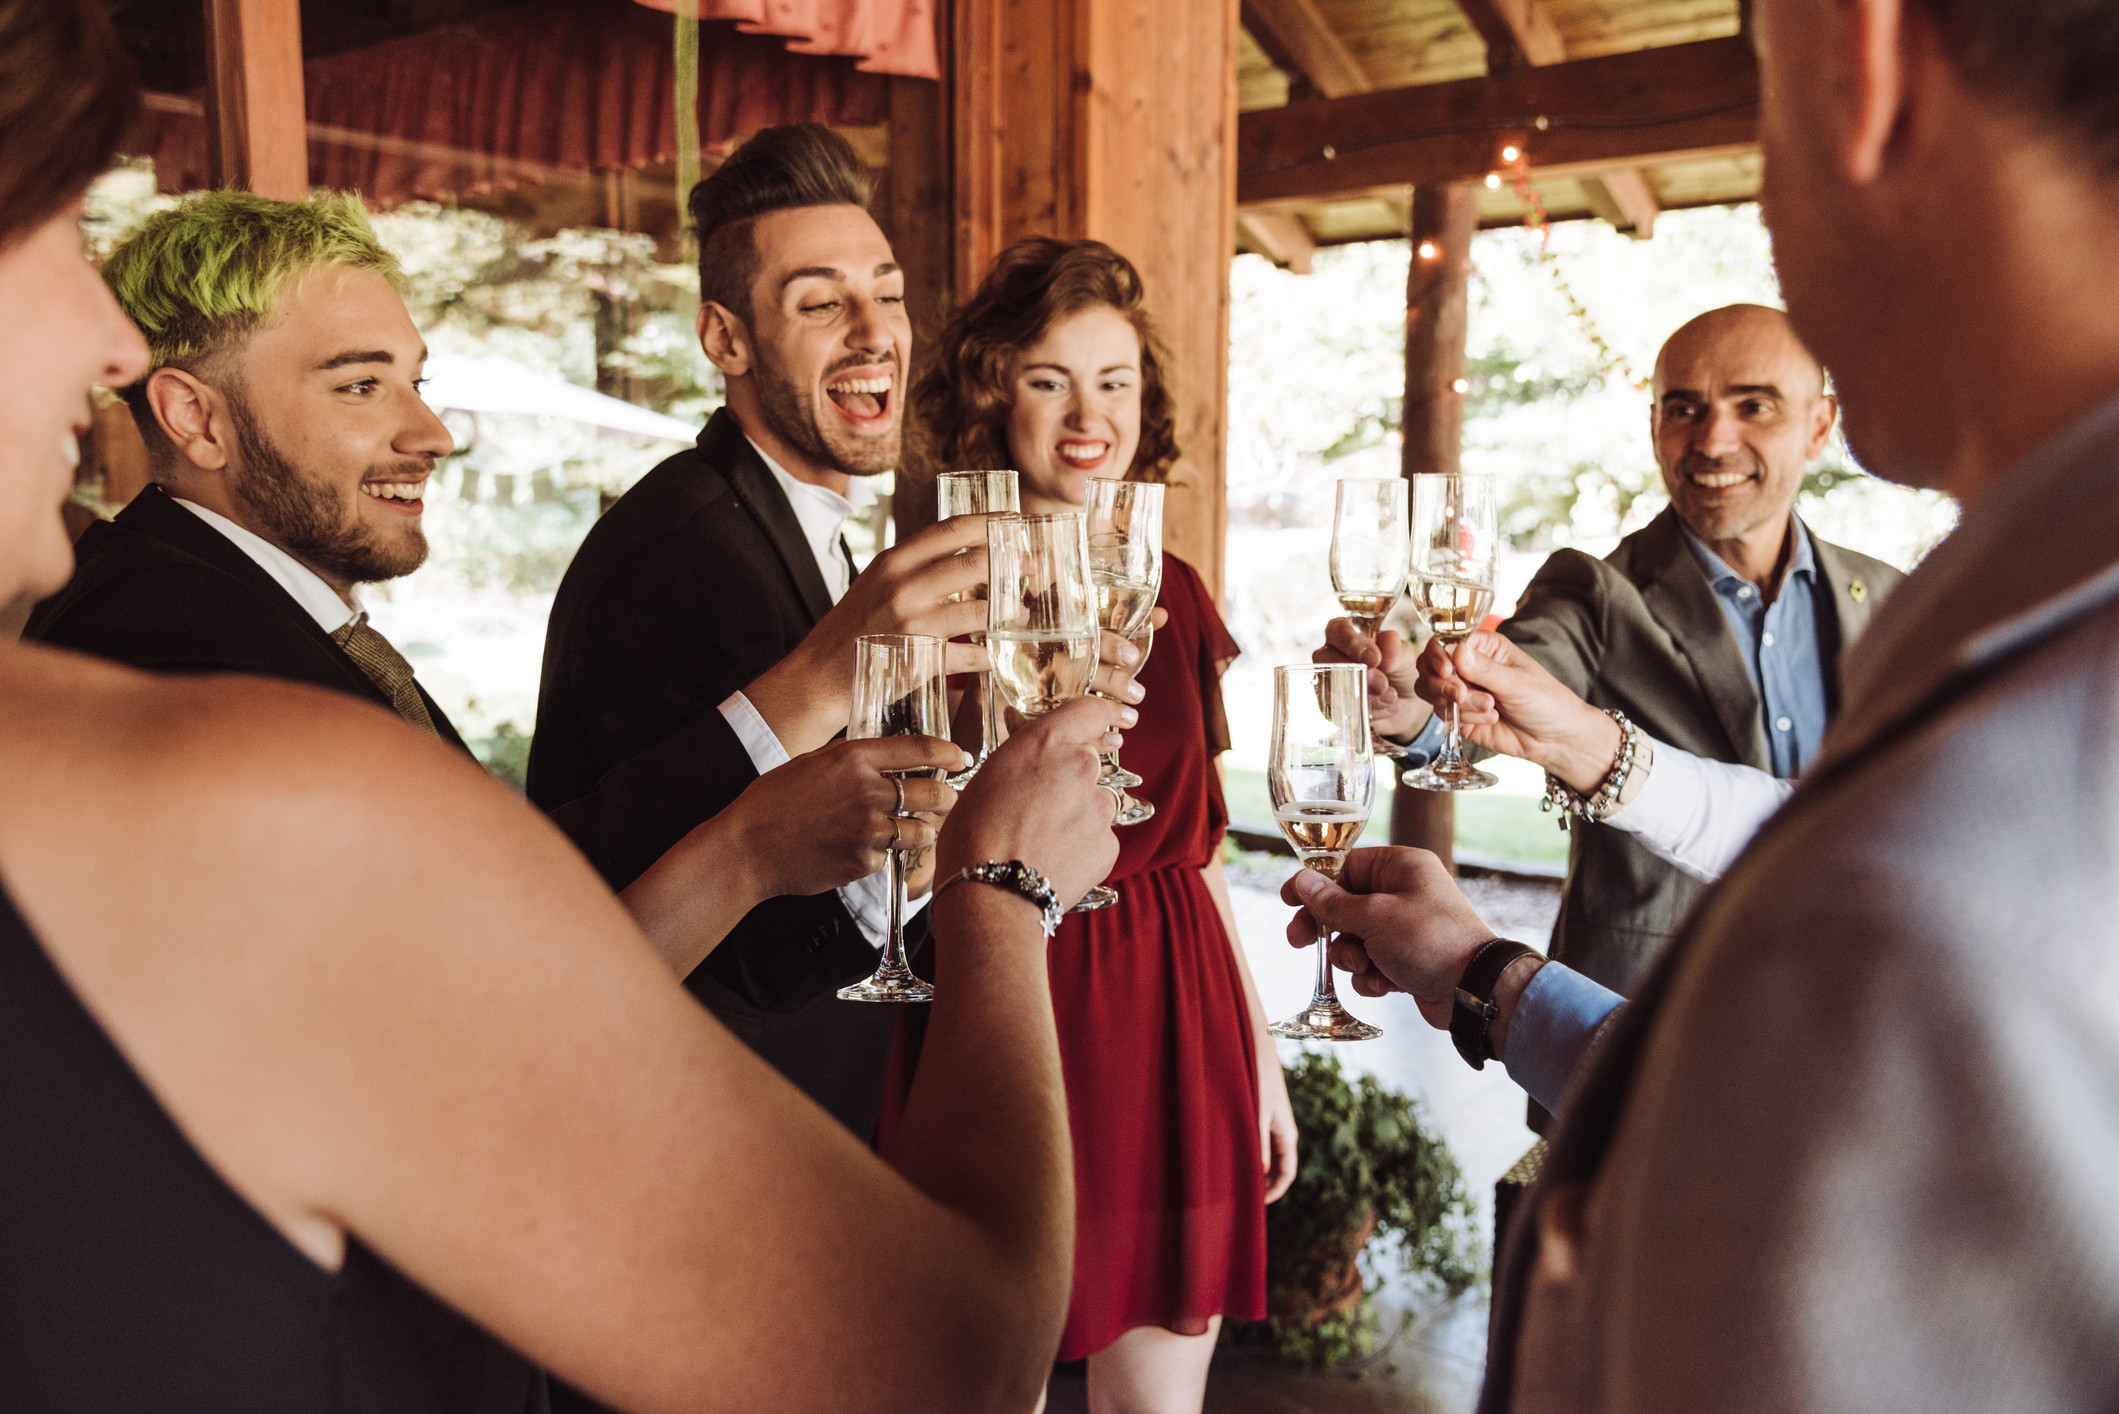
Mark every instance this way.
x=1322 y=780
x=898 y=690
x=1041 y=625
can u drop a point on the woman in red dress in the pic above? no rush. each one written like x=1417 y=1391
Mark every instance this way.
x=1181 y=1126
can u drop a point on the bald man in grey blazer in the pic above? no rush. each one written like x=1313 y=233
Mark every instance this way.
x=1853 y=1145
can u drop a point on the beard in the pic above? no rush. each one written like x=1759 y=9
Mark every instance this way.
x=791 y=411
x=307 y=516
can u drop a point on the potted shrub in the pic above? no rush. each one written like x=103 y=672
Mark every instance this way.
x=1377 y=1191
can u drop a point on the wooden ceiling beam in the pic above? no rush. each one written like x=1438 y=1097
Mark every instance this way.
x=1517 y=33
x=1624 y=198
x=1279 y=237
x=1299 y=42
x=1618 y=111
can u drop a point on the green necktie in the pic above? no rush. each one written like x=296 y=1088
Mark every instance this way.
x=387 y=669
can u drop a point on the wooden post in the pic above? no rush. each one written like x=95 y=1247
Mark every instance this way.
x=1116 y=120
x=256 y=121
x=1437 y=322
x=914 y=209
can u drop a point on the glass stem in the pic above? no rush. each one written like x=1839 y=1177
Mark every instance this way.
x=1451 y=746
x=1325 y=995
x=894 y=940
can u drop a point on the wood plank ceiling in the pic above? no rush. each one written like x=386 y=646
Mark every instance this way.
x=1335 y=124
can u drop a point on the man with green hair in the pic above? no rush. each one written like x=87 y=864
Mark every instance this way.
x=290 y=451
x=289 y=448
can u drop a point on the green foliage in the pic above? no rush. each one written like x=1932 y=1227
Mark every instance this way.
x=1376 y=1191
x=505 y=754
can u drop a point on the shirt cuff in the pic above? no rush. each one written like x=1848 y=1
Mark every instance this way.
x=1555 y=1020
x=1425 y=746
x=766 y=752
x=868 y=900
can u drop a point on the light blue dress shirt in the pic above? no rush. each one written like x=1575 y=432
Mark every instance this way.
x=1780 y=646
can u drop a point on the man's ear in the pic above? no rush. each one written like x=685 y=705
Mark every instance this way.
x=193 y=416
x=1872 y=87
x=1824 y=414
x=724 y=339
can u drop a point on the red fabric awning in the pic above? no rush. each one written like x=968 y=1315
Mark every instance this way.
x=521 y=96
x=885 y=36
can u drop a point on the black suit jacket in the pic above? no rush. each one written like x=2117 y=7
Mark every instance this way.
x=159 y=588
x=694 y=583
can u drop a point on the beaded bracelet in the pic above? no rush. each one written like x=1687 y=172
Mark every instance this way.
x=1558 y=795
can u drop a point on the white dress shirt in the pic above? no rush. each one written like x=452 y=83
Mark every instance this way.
x=317 y=598
x=822 y=513
x=1699 y=814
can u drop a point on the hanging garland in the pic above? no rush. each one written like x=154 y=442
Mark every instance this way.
x=1610 y=362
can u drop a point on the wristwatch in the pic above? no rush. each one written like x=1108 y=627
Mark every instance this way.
x=1017 y=878
x=1473 y=1009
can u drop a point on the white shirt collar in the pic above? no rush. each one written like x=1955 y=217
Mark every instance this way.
x=822 y=514
x=318 y=599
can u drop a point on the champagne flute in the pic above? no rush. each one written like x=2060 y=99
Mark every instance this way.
x=1322 y=781
x=1369 y=550
x=898 y=690
x=1456 y=541
x=971 y=493
x=1126 y=567
x=1041 y=628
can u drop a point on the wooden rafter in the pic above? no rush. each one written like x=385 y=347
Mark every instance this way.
x=255 y=116
x=1624 y=198
x=1279 y=236
x=1589 y=114
x=1299 y=42
x=1517 y=33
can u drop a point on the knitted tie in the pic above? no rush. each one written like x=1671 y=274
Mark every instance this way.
x=387 y=669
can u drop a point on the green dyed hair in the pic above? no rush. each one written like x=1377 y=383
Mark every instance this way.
x=201 y=277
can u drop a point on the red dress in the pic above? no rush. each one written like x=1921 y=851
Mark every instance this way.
x=1155 y=1037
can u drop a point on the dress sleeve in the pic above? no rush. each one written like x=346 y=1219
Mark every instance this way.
x=1185 y=596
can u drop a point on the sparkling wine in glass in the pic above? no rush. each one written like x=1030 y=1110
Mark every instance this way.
x=972 y=493
x=1369 y=550
x=1041 y=625
x=1126 y=566
x=1132 y=810
x=898 y=690
x=1456 y=544
x=1322 y=780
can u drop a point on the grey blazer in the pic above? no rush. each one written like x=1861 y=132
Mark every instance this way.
x=1854 y=1147
x=1641 y=630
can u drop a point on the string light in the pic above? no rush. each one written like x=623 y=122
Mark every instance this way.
x=1510 y=154
x=1427 y=250
x=1610 y=362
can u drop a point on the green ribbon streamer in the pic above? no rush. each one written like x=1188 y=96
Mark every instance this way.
x=687 y=63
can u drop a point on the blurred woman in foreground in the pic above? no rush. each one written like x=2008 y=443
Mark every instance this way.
x=330 y=1078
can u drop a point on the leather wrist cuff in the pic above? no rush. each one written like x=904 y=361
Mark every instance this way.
x=1473 y=1009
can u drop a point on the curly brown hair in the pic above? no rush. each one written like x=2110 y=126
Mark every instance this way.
x=961 y=404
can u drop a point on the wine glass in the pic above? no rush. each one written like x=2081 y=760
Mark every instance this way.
x=1131 y=810
x=1369 y=550
x=972 y=493
x=1126 y=567
x=1456 y=539
x=898 y=690
x=1322 y=780
x=1041 y=627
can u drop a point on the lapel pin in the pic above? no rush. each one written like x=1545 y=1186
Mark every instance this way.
x=1857 y=591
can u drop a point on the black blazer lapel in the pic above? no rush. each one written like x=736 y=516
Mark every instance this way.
x=1676 y=591
x=724 y=445
x=1852 y=596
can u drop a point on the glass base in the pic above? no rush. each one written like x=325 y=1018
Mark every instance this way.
x=889 y=984
x=1134 y=811
x=1463 y=777
x=1102 y=896
x=1325 y=1020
